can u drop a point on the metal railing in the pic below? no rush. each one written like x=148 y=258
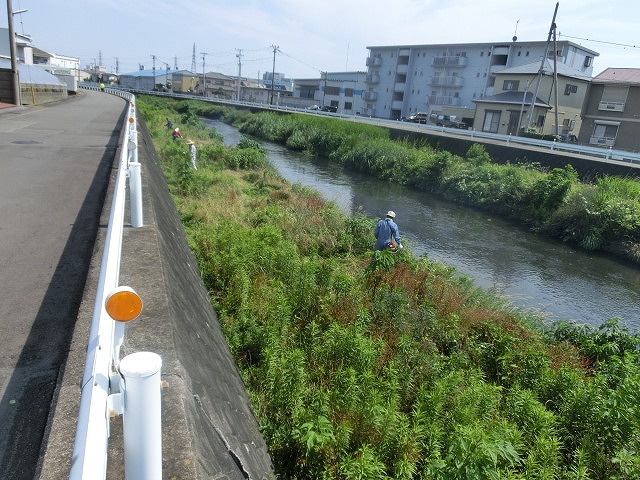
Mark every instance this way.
x=111 y=386
x=609 y=153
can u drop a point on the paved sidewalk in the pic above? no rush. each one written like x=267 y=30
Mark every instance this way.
x=56 y=163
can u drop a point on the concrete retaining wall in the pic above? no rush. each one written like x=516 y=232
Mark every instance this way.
x=209 y=430
x=587 y=167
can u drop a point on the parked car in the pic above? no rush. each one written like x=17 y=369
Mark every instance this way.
x=314 y=107
x=450 y=121
x=418 y=117
x=329 y=108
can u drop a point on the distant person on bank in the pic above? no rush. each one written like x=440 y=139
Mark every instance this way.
x=387 y=233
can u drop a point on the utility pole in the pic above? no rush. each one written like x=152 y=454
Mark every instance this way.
x=239 y=55
x=117 y=65
x=15 y=77
x=154 y=71
x=204 y=75
x=273 y=72
x=193 y=59
x=541 y=71
x=324 y=89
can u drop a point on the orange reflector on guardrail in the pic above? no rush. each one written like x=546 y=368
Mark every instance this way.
x=123 y=304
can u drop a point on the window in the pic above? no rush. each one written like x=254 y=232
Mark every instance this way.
x=614 y=94
x=511 y=85
x=332 y=90
x=569 y=89
x=605 y=130
x=491 y=121
x=348 y=105
x=540 y=122
x=348 y=92
x=587 y=61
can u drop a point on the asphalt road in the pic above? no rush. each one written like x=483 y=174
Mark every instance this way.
x=56 y=161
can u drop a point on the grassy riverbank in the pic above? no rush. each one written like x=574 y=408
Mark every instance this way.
x=364 y=366
x=604 y=215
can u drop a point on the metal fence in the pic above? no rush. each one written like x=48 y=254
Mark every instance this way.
x=110 y=386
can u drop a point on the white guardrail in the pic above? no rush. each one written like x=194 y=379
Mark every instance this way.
x=110 y=386
x=592 y=151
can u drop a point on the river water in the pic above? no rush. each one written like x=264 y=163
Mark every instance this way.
x=536 y=274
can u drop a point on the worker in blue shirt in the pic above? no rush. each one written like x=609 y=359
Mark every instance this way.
x=387 y=233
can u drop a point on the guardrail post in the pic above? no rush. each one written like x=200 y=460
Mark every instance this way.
x=135 y=194
x=142 y=430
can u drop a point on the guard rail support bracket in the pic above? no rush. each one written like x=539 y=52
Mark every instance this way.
x=115 y=405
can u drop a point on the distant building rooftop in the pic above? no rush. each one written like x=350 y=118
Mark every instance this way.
x=622 y=75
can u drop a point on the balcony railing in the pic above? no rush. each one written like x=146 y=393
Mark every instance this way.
x=448 y=81
x=443 y=100
x=372 y=79
x=449 y=61
x=374 y=61
x=370 y=96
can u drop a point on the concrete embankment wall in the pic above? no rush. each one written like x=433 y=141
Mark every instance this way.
x=587 y=167
x=219 y=432
x=208 y=428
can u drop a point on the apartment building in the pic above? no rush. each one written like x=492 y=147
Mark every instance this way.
x=405 y=79
x=611 y=115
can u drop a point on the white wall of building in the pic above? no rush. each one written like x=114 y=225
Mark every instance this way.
x=402 y=80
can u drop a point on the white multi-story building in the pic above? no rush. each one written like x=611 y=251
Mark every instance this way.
x=423 y=78
x=342 y=90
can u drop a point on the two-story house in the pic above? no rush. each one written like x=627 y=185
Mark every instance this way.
x=526 y=98
x=611 y=114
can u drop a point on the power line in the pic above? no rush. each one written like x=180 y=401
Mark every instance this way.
x=600 y=41
x=300 y=61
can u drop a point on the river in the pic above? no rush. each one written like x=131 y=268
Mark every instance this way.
x=536 y=274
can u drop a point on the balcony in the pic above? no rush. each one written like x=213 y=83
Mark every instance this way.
x=447 y=81
x=397 y=105
x=374 y=61
x=611 y=106
x=402 y=69
x=449 y=61
x=399 y=87
x=372 y=79
x=370 y=96
x=443 y=100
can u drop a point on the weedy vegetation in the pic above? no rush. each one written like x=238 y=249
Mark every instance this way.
x=364 y=365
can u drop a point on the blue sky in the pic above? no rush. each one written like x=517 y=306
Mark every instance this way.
x=312 y=36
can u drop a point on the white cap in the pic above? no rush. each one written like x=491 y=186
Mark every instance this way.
x=391 y=214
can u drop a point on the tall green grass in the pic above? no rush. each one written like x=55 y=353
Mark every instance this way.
x=599 y=216
x=381 y=366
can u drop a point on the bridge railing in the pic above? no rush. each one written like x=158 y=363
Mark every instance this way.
x=111 y=386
